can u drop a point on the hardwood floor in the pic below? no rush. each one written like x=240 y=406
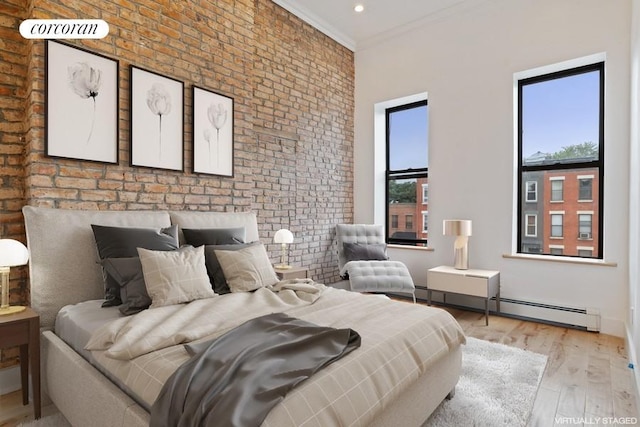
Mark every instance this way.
x=586 y=378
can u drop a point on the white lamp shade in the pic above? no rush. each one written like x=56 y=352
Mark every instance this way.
x=456 y=227
x=283 y=236
x=12 y=253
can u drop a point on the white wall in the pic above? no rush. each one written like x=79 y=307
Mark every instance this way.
x=465 y=61
x=634 y=195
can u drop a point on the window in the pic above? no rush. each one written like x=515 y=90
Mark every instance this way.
x=406 y=170
x=584 y=225
x=425 y=194
x=585 y=252
x=557 y=187
x=556 y=249
x=585 y=185
x=425 y=221
x=532 y=191
x=556 y=224
x=560 y=136
x=408 y=222
x=532 y=226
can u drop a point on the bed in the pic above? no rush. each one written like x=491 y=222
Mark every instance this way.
x=397 y=377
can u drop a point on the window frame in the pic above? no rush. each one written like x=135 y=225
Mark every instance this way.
x=580 y=179
x=552 y=191
x=596 y=66
x=410 y=173
x=535 y=192
x=556 y=214
x=527 y=225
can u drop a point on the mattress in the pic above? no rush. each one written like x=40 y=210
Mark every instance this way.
x=400 y=342
x=76 y=323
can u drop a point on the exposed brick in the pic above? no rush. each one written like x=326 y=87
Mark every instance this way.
x=293 y=91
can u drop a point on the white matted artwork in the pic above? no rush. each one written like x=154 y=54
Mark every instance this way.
x=212 y=133
x=157 y=120
x=81 y=104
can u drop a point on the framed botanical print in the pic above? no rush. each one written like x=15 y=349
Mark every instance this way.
x=157 y=120
x=81 y=104
x=212 y=133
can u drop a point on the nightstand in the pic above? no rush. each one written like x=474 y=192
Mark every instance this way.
x=23 y=330
x=478 y=283
x=292 y=273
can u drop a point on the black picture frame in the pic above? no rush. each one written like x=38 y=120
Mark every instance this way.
x=213 y=146
x=81 y=104
x=156 y=119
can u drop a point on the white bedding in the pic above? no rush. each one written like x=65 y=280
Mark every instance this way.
x=400 y=341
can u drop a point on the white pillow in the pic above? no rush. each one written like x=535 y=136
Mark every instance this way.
x=174 y=277
x=247 y=269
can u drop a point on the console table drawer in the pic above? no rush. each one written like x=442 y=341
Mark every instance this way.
x=467 y=285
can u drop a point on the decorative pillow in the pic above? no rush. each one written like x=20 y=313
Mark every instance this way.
x=214 y=270
x=175 y=277
x=127 y=272
x=247 y=269
x=365 y=252
x=121 y=242
x=214 y=236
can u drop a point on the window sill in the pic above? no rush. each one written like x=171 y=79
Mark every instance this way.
x=566 y=260
x=411 y=248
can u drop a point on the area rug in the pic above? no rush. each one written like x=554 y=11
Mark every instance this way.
x=497 y=387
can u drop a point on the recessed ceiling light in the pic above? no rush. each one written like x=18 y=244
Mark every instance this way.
x=358 y=8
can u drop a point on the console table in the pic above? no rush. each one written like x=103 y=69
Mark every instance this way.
x=477 y=283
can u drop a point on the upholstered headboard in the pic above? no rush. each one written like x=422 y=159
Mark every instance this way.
x=63 y=265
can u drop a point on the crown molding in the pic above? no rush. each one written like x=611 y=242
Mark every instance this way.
x=318 y=23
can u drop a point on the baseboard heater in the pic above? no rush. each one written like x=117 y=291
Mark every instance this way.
x=581 y=318
x=587 y=318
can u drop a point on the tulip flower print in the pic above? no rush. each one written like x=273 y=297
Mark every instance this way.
x=217 y=115
x=85 y=82
x=159 y=102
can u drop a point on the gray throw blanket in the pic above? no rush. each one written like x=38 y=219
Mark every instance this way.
x=236 y=379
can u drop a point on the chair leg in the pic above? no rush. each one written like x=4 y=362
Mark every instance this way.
x=413 y=294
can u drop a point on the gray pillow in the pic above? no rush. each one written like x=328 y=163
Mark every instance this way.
x=214 y=236
x=214 y=270
x=122 y=242
x=365 y=252
x=127 y=273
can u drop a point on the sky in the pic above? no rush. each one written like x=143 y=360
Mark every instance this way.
x=560 y=112
x=409 y=128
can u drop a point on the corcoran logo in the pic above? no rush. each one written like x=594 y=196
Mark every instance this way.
x=64 y=29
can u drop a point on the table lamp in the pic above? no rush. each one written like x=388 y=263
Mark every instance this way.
x=12 y=254
x=461 y=228
x=284 y=237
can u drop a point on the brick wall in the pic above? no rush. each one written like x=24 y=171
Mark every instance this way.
x=293 y=94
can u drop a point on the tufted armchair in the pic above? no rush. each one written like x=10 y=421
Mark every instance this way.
x=362 y=258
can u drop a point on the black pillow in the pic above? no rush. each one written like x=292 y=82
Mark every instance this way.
x=214 y=236
x=122 y=242
x=214 y=270
x=365 y=252
x=127 y=273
